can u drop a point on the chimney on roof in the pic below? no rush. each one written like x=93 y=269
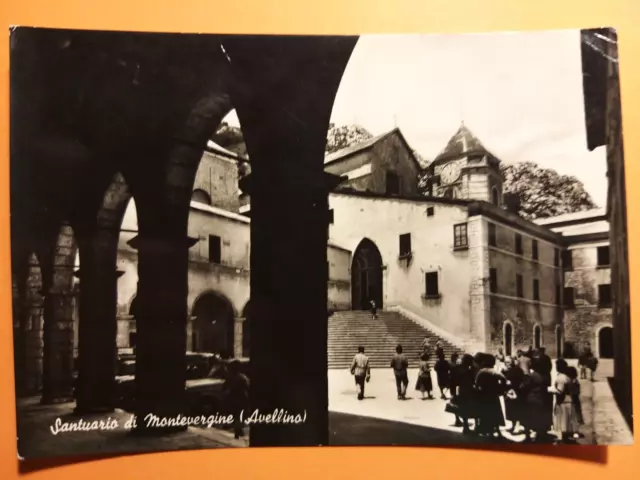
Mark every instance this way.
x=512 y=202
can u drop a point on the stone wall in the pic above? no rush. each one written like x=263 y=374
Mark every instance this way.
x=525 y=312
x=583 y=322
x=617 y=212
x=218 y=176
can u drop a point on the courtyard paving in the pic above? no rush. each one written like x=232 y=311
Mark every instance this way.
x=379 y=419
x=383 y=419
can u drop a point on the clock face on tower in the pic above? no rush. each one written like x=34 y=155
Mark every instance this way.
x=450 y=173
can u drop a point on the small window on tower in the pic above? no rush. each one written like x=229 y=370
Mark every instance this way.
x=215 y=249
x=430 y=211
x=495 y=196
x=460 y=236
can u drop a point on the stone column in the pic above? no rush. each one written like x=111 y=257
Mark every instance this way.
x=284 y=118
x=161 y=325
x=238 y=333
x=31 y=330
x=97 y=326
x=57 y=379
x=289 y=324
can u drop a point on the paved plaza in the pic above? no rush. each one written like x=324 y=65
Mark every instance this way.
x=381 y=418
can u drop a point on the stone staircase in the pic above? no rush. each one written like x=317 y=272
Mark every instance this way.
x=350 y=329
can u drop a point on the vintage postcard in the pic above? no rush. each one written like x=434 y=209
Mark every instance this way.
x=233 y=241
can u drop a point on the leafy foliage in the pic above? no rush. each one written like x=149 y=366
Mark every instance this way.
x=543 y=192
x=345 y=136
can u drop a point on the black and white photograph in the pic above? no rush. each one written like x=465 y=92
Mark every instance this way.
x=267 y=240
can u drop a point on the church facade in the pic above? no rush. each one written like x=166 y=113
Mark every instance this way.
x=459 y=260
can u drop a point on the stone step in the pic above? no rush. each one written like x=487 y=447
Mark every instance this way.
x=379 y=336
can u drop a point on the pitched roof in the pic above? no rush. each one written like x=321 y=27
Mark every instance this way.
x=367 y=144
x=353 y=149
x=215 y=148
x=576 y=217
x=463 y=142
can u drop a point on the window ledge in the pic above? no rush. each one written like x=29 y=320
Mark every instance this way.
x=405 y=256
x=460 y=248
x=600 y=267
x=431 y=297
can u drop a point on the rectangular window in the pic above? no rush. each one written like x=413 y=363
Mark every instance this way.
x=569 y=297
x=393 y=184
x=519 y=244
x=556 y=257
x=430 y=211
x=460 y=238
x=536 y=289
x=492 y=235
x=603 y=257
x=558 y=293
x=215 y=249
x=330 y=216
x=405 y=244
x=519 y=286
x=431 y=282
x=132 y=339
x=534 y=249
x=493 y=280
x=567 y=259
x=604 y=295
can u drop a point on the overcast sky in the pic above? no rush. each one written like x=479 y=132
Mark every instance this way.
x=519 y=93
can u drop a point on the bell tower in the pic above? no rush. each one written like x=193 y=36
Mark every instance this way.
x=465 y=169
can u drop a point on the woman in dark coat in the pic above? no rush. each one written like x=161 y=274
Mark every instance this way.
x=489 y=385
x=513 y=400
x=453 y=383
x=536 y=416
x=443 y=371
x=465 y=392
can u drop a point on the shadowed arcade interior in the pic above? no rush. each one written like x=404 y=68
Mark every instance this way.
x=100 y=117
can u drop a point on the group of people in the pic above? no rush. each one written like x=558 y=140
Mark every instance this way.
x=475 y=385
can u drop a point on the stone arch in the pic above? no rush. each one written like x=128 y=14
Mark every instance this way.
x=537 y=336
x=366 y=276
x=201 y=196
x=507 y=337
x=604 y=341
x=213 y=323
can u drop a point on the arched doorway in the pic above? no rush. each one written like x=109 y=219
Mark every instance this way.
x=508 y=338
x=213 y=325
x=366 y=276
x=537 y=336
x=559 y=341
x=605 y=342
